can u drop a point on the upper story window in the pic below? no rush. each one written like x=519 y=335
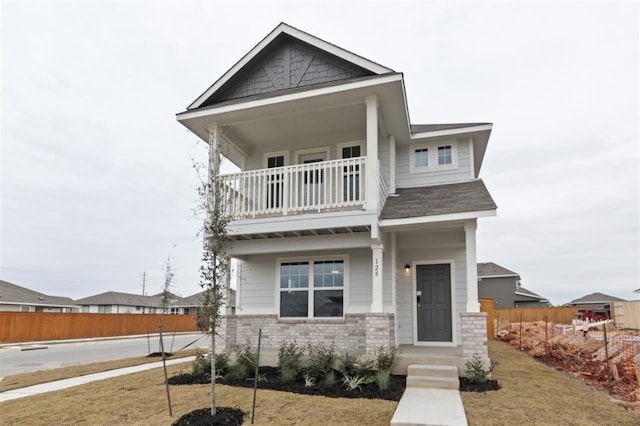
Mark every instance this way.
x=432 y=156
x=312 y=288
x=444 y=155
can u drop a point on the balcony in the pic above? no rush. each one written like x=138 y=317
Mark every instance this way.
x=311 y=187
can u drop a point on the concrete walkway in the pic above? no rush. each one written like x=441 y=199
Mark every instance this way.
x=81 y=380
x=429 y=407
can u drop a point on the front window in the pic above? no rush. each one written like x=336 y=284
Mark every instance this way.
x=312 y=289
x=433 y=156
x=104 y=309
x=25 y=309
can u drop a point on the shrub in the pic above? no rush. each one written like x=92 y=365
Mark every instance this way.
x=352 y=365
x=354 y=382
x=383 y=377
x=222 y=363
x=387 y=357
x=201 y=366
x=245 y=362
x=330 y=379
x=475 y=371
x=321 y=360
x=309 y=380
x=289 y=355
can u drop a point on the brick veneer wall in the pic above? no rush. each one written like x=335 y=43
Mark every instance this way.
x=360 y=333
x=474 y=335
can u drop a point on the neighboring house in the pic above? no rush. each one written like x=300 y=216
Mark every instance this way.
x=595 y=300
x=14 y=298
x=112 y=302
x=503 y=286
x=637 y=291
x=350 y=225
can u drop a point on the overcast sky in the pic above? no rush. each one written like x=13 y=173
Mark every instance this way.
x=97 y=184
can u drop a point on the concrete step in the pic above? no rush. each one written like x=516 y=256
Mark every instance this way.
x=432 y=370
x=433 y=382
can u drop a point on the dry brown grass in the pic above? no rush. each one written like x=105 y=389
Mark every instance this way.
x=531 y=394
x=534 y=394
x=139 y=399
x=17 y=381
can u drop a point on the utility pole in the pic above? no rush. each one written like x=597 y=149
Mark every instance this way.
x=144 y=279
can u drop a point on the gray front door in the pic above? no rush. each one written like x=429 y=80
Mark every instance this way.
x=433 y=298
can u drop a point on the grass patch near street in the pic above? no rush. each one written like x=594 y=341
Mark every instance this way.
x=534 y=394
x=22 y=380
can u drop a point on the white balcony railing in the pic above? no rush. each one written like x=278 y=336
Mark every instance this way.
x=294 y=189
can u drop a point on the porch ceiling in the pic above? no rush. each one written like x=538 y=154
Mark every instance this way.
x=329 y=113
x=301 y=233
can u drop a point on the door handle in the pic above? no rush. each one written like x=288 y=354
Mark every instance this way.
x=418 y=299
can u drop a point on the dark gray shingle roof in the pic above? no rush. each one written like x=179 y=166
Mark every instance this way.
x=596 y=298
x=12 y=293
x=490 y=269
x=122 y=299
x=438 y=199
x=528 y=293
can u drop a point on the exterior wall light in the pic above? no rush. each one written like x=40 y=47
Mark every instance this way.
x=407 y=268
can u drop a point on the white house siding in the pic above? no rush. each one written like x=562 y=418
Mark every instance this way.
x=435 y=177
x=257 y=287
x=428 y=247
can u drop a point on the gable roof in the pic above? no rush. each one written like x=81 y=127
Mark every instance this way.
x=636 y=290
x=595 y=298
x=521 y=291
x=283 y=33
x=16 y=295
x=490 y=269
x=471 y=196
x=122 y=299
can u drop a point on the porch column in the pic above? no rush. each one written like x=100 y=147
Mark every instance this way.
x=392 y=164
x=472 y=272
x=372 y=164
x=376 y=282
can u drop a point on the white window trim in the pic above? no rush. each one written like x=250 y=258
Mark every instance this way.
x=433 y=156
x=319 y=150
x=311 y=259
x=361 y=143
x=267 y=155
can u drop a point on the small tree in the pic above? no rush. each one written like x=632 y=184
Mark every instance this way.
x=215 y=260
x=164 y=302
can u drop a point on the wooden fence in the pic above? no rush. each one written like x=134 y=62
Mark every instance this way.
x=486 y=305
x=626 y=314
x=39 y=326
x=558 y=315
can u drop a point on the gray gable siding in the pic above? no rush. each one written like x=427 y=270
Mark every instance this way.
x=290 y=64
x=501 y=290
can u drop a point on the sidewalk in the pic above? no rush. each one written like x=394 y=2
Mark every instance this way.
x=77 y=381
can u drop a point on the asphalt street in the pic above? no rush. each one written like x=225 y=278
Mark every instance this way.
x=23 y=358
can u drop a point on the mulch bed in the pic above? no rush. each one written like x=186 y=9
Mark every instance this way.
x=269 y=378
x=203 y=417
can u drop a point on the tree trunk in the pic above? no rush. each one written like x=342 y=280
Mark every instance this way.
x=212 y=359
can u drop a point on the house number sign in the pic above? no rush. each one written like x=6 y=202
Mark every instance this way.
x=376 y=268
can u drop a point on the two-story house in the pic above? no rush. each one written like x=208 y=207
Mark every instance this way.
x=350 y=225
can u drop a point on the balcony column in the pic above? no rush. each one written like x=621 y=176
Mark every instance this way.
x=392 y=164
x=372 y=164
x=376 y=281
x=472 y=272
